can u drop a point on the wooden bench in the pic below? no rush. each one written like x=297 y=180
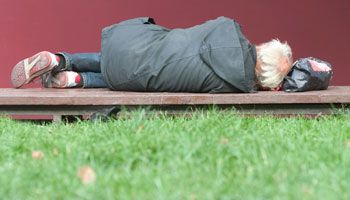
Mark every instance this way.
x=61 y=102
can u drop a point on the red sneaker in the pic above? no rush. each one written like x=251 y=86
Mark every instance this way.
x=64 y=79
x=30 y=68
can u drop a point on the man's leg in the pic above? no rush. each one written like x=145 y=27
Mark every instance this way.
x=80 y=62
x=76 y=70
x=92 y=80
x=47 y=65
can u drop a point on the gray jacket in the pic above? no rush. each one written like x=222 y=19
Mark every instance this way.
x=215 y=57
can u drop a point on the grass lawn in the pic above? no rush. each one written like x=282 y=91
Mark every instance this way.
x=207 y=156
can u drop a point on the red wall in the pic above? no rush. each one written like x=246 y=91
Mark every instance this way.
x=318 y=28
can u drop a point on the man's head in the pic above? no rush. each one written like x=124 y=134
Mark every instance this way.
x=274 y=60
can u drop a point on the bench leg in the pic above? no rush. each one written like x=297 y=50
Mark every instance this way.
x=57 y=119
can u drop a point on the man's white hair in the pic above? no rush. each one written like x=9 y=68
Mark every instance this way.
x=272 y=56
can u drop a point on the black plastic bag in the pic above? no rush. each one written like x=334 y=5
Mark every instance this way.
x=308 y=74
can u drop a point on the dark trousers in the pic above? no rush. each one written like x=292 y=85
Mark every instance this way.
x=88 y=66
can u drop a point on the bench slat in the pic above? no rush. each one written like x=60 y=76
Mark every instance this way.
x=50 y=96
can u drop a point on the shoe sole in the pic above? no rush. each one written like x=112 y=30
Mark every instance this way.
x=59 y=79
x=30 y=68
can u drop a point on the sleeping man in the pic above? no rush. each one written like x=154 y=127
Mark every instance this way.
x=138 y=55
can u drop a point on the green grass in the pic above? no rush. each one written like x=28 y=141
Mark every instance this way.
x=207 y=156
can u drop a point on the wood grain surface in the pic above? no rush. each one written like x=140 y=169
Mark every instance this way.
x=50 y=96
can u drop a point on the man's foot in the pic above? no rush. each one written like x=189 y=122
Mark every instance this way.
x=64 y=79
x=30 y=68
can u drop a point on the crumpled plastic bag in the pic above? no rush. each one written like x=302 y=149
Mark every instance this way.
x=308 y=74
